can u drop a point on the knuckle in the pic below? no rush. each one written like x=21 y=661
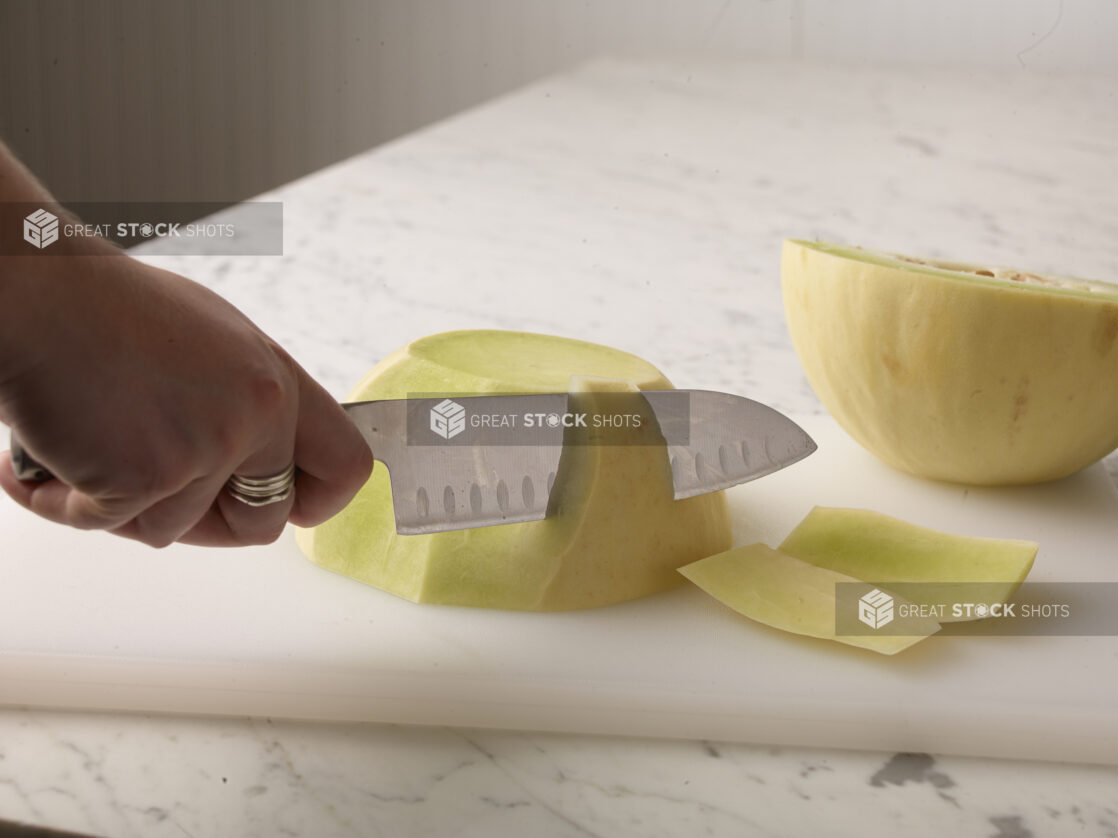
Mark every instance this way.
x=146 y=530
x=269 y=398
x=157 y=478
x=268 y=391
x=98 y=513
x=261 y=537
x=91 y=521
x=157 y=540
x=272 y=384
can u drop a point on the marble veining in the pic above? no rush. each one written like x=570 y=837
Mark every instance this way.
x=153 y=776
x=638 y=203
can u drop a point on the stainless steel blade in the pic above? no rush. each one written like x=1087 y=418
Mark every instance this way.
x=732 y=440
x=449 y=470
x=441 y=487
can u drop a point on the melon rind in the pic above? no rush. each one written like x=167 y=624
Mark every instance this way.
x=927 y=566
x=786 y=593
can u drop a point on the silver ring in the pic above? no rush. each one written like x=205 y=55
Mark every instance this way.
x=261 y=491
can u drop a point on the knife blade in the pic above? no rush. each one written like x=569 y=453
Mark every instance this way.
x=458 y=462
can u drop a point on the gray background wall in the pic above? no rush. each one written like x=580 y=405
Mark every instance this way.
x=219 y=100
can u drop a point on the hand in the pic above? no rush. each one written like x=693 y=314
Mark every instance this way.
x=143 y=392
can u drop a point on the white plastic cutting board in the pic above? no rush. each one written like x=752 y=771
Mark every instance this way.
x=91 y=621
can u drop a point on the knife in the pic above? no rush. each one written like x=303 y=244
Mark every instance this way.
x=458 y=462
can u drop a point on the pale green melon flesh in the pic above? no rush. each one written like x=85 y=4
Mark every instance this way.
x=616 y=534
x=883 y=550
x=789 y=594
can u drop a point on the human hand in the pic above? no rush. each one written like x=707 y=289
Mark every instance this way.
x=143 y=392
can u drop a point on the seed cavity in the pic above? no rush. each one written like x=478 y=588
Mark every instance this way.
x=422 y=504
x=475 y=499
x=528 y=493
x=448 y=500
x=502 y=496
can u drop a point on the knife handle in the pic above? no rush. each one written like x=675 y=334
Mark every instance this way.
x=26 y=467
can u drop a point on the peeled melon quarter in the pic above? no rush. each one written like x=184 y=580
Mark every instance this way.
x=960 y=372
x=927 y=566
x=783 y=592
x=615 y=532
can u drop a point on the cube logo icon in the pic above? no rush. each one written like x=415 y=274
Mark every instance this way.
x=448 y=419
x=40 y=228
x=875 y=609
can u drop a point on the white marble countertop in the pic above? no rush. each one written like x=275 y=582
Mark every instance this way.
x=639 y=204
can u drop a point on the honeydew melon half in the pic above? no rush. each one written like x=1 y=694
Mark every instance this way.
x=616 y=532
x=953 y=371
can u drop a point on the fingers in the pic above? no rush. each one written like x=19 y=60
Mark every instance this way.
x=166 y=521
x=62 y=504
x=201 y=512
x=253 y=524
x=333 y=458
x=230 y=523
x=333 y=462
